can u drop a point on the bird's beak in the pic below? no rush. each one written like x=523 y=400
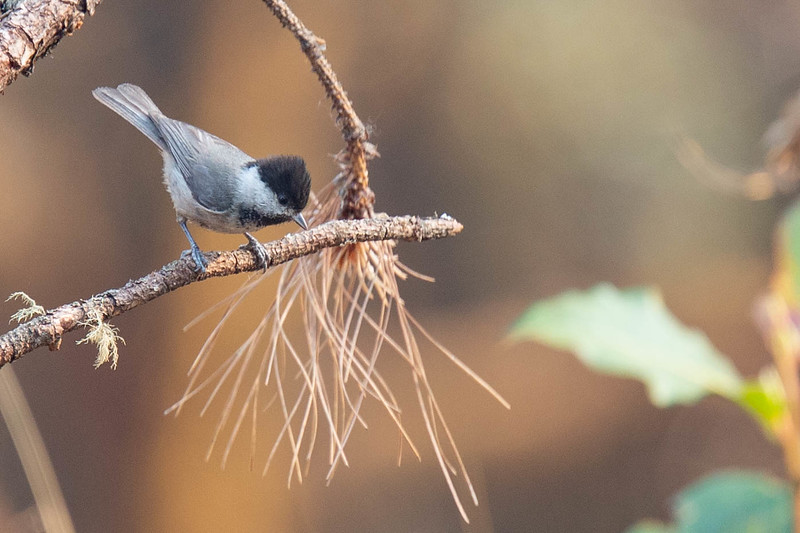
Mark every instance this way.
x=300 y=220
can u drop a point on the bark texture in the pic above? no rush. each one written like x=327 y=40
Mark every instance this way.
x=32 y=28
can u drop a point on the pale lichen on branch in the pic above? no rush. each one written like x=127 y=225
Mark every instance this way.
x=30 y=311
x=104 y=336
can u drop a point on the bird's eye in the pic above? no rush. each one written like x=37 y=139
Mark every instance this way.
x=283 y=200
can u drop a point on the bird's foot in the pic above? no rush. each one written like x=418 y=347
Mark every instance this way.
x=200 y=262
x=262 y=257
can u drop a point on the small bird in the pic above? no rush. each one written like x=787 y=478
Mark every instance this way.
x=212 y=182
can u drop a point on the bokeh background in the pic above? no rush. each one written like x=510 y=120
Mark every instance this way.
x=547 y=128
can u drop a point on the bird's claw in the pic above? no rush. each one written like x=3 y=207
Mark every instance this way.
x=262 y=257
x=200 y=262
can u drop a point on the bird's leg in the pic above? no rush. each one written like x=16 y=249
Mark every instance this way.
x=197 y=255
x=258 y=249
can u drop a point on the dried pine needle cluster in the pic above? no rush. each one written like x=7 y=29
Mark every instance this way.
x=347 y=299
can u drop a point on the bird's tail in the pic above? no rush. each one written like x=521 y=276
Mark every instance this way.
x=132 y=103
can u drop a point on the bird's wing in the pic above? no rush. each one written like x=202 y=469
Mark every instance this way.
x=207 y=163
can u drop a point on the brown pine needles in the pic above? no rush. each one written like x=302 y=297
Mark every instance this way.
x=348 y=299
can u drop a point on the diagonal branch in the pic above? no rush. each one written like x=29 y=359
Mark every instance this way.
x=31 y=29
x=357 y=197
x=47 y=330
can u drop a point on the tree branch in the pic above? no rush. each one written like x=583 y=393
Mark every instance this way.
x=32 y=28
x=48 y=329
x=357 y=197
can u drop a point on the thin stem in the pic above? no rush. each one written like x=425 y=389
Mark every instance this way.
x=783 y=339
x=357 y=198
x=33 y=454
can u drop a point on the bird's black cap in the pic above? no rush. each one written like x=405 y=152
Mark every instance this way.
x=288 y=178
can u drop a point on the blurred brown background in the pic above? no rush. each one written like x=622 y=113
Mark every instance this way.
x=547 y=128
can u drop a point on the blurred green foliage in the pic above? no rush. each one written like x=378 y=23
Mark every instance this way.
x=729 y=502
x=630 y=333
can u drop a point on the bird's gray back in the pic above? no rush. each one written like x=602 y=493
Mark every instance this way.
x=207 y=163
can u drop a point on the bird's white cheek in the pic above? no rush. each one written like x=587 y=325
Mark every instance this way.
x=250 y=184
x=253 y=192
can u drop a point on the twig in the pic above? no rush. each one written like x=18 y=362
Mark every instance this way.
x=47 y=330
x=28 y=441
x=357 y=198
x=30 y=30
x=778 y=326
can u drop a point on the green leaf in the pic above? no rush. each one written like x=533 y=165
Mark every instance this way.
x=630 y=333
x=730 y=502
x=765 y=398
